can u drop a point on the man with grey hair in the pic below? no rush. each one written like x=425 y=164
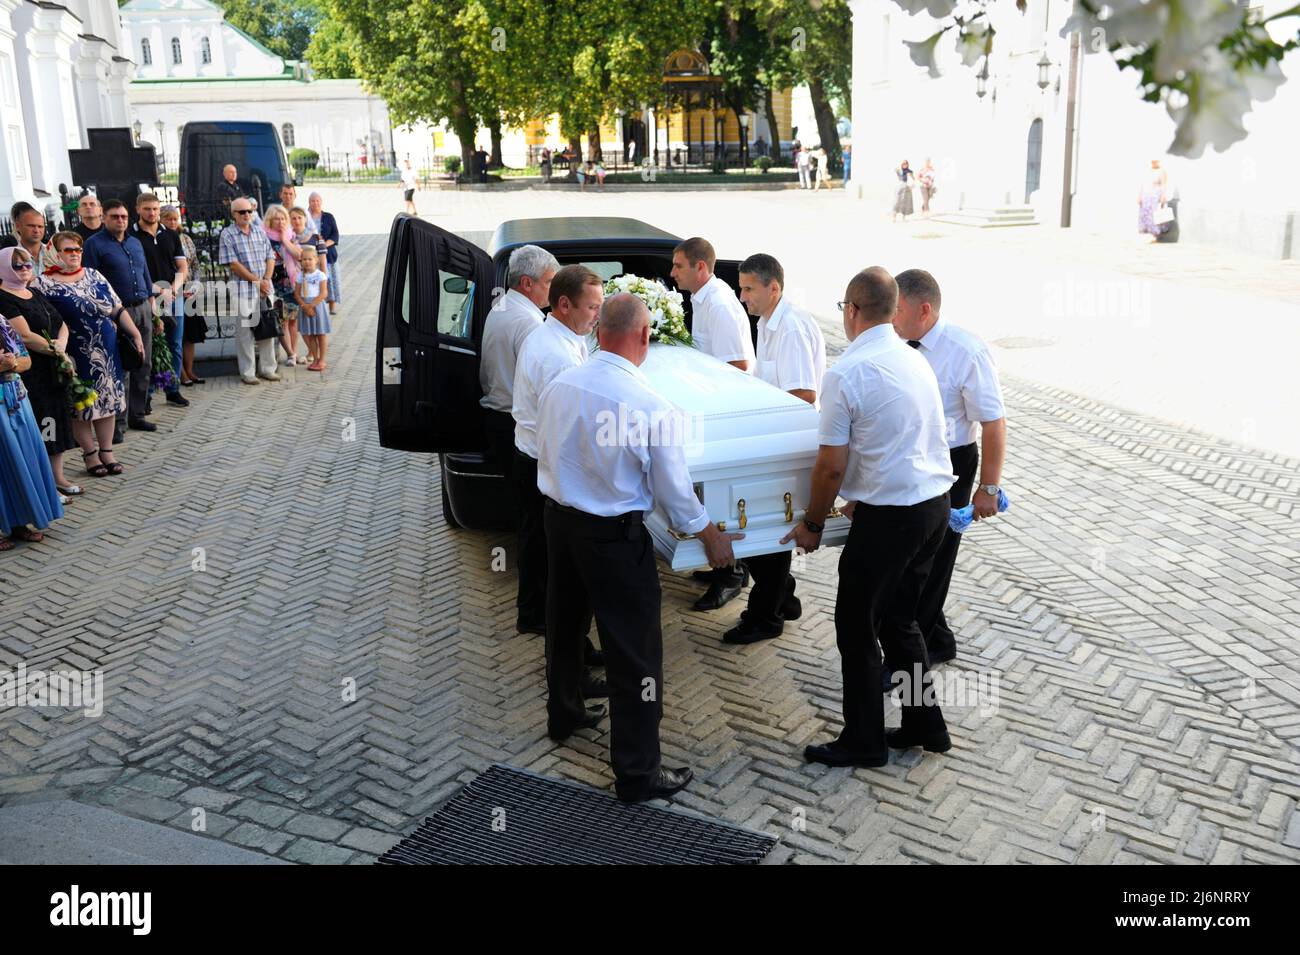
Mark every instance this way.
x=600 y=556
x=513 y=317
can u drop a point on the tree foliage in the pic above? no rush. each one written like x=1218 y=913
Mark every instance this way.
x=284 y=27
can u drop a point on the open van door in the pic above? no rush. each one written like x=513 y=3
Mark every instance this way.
x=729 y=271
x=436 y=295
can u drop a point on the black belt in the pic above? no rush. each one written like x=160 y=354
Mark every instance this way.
x=626 y=526
x=134 y=304
x=863 y=507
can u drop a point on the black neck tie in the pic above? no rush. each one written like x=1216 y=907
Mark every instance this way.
x=914 y=344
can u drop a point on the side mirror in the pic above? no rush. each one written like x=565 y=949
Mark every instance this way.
x=456 y=285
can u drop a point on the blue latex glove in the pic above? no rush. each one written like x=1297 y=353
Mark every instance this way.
x=961 y=518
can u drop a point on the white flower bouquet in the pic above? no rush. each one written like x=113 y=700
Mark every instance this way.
x=667 y=315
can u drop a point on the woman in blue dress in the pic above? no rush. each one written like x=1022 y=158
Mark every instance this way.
x=94 y=317
x=27 y=491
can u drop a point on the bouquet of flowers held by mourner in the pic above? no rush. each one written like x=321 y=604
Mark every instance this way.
x=667 y=316
x=163 y=375
x=81 y=393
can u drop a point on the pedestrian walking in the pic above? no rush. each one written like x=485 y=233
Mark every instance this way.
x=903 y=195
x=409 y=183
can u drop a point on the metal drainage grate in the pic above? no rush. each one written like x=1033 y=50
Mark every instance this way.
x=508 y=816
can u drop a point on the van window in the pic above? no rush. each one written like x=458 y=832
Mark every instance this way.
x=455 y=298
x=606 y=270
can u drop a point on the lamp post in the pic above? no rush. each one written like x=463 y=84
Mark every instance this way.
x=137 y=129
x=982 y=79
x=744 y=142
x=162 y=153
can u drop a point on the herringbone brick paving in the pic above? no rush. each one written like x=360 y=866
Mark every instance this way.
x=296 y=644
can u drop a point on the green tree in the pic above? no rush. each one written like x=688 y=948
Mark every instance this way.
x=330 y=51
x=284 y=27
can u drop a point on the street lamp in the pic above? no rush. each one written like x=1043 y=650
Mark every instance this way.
x=137 y=129
x=744 y=142
x=1044 y=65
x=159 y=126
x=982 y=79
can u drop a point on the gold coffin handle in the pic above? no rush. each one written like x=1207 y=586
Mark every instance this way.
x=789 y=507
x=740 y=506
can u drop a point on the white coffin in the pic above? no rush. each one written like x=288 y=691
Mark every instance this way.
x=749 y=441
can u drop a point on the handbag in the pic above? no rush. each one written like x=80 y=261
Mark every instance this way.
x=132 y=358
x=268 y=322
x=1164 y=215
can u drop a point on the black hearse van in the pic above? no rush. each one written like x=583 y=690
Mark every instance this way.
x=438 y=288
x=253 y=148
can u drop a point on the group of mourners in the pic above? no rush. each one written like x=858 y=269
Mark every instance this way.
x=82 y=312
x=900 y=414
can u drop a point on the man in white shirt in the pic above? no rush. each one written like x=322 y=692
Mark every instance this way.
x=720 y=327
x=558 y=343
x=410 y=181
x=972 y=404
x=599 y=483
x=792 y=356
x=803 y=162
x=512 y=318
x=883 y=448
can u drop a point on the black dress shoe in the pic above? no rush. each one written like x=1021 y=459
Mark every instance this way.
x=176 y=398
x=720 y=594
x=836 y=754
x=749 y=632
x=905 y=739
x=594 y=715
x=669 y=782
x=594 y=688
x=791 y=608
x=139 y=424
x=703 y=576
x=537 y=628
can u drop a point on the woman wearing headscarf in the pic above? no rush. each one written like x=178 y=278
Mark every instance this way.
x=95 y=317
x=41 y=330
x=27 y=492
x=329 y=233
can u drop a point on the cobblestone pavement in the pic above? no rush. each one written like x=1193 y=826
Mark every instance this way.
x=1138 y=607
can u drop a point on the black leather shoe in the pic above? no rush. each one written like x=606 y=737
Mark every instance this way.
x=139 y=424
x=670 y=781
x=749 y=632
x=703 y=576
x=537 y=628
x=719 y=594
x=903 y=739
x=176 y=398
x=792 y=608
x=594 y=715
x=594 y=688
x=836 y=754
x=119 y=437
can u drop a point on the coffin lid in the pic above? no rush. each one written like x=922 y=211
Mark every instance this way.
x=562 y=230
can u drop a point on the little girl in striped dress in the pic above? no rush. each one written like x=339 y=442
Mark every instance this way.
x=313 y=313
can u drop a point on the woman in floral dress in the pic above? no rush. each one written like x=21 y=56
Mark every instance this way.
x=94 y=316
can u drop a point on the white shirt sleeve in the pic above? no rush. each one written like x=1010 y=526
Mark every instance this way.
x=836 y=415
x=796 y=368
x=670 y=485
x=729 y=338
x=981 y=393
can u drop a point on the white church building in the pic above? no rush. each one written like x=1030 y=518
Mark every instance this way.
x=63 y=69
x=1007 y=148
x=191 y=65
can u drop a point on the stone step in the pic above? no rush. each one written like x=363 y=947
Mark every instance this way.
x=997 y=216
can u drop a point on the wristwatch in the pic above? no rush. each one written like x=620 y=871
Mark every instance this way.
x=990 y=489
x=812 y=526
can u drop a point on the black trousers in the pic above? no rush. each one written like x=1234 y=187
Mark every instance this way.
x=531 y=600
x=606 y=566
x=883 y=567
x=939 y=638
x=773 y=583
x=499 y=426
